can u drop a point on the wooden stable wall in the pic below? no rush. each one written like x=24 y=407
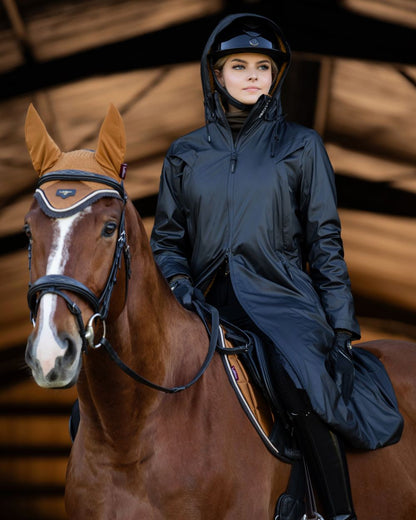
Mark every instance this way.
x=34 y=447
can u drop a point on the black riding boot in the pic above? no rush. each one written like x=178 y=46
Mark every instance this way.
x=325 y=457
x=322 y=448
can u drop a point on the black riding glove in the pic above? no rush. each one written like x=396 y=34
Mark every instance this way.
x=340 y=365
x=185 y=292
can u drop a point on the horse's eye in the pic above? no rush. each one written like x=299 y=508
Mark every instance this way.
x=28 y=233
x=109 y=229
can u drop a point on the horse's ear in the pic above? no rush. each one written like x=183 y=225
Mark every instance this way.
x=111 y=145
x=43 y=150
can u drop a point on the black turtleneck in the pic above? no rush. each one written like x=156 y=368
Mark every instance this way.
x=236 y=121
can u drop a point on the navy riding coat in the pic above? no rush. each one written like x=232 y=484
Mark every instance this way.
x=267 y=203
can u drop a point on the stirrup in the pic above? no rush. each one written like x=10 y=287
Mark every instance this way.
x=316 y=516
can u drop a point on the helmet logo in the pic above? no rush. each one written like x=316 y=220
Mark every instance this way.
x=254 y=42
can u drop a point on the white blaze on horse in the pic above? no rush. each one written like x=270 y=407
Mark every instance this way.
x=172 y=443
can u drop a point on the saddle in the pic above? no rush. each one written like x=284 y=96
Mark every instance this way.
x=243 y=357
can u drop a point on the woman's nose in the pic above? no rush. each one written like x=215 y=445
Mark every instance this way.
x=252 y=75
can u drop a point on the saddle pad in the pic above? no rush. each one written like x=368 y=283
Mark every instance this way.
x=252 y=395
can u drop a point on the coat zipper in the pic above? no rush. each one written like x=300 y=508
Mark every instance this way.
x=233 y=164
x=233 y=161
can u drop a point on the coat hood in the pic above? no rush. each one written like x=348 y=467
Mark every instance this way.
x=211 y=96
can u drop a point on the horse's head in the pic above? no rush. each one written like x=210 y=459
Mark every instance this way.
x=77 y=240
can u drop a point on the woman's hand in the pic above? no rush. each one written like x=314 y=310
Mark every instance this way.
x=185 y=292
x=340 y=365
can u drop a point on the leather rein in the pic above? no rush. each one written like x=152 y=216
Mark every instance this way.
x=56 y=284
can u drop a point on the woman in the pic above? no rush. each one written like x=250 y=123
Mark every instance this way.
x=247 y=215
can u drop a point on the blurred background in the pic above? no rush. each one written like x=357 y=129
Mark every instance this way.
x=353 y=79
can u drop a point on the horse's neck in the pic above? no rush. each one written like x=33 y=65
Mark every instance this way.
x=150 y=335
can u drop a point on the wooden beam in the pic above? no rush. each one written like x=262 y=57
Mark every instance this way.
x=311 y=27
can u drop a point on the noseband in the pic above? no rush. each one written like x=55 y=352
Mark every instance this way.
x=55 y=284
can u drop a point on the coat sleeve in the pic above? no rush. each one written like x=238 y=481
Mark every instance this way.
x=324 y=246
x=169 y=237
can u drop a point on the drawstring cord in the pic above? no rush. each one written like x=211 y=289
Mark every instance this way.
x=207 y=131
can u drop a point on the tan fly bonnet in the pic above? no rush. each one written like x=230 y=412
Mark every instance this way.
x=62 y=197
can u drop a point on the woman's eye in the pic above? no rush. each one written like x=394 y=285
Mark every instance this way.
x=109 y=229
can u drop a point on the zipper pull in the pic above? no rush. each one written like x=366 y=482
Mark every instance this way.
x=266 y=105
x=233 y=162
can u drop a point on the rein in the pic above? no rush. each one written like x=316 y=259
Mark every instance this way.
x=201 y=310
x=56 y=284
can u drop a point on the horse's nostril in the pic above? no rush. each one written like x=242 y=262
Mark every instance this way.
x=52 y=376
x=70 y=351
x=62 y=363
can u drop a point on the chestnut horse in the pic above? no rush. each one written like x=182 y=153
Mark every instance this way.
x=143 y=453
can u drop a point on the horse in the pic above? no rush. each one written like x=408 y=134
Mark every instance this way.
x=162 y=435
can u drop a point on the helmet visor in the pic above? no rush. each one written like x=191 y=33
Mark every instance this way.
x=245 y=37
x=245 y=42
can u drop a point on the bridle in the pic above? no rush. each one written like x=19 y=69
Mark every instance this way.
x=56 y=284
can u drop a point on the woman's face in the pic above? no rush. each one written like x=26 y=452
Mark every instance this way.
x=246 y=76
